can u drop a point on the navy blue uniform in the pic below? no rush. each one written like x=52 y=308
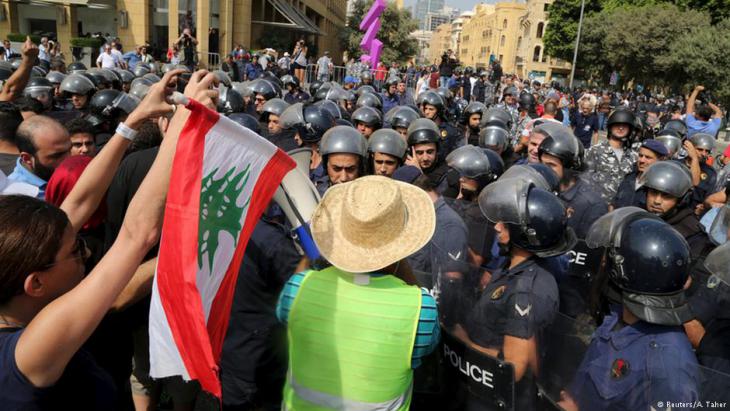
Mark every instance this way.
x=296 y=97
x=628 y=194
x=708 y=178
x=253 y=360
x=584 y=207
x=451 y=139
x=389 y=101
x=636 y=367
x=520 y=302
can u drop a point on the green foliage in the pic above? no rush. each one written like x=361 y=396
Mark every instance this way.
x=93 y=42
x=562 y=26
x=396 y=27
x=17 y=37
x=701 y=57
x=631 y=39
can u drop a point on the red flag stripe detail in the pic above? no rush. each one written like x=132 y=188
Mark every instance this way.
x=178 y=260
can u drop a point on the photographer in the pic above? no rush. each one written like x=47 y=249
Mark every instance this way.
x=707 y=118
x=187 y=42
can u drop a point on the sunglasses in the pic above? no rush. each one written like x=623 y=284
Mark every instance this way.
x=80 y=252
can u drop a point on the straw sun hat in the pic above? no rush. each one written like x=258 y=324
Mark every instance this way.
x=372 y=222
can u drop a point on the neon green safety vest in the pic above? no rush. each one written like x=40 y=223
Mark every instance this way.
x=350 y=342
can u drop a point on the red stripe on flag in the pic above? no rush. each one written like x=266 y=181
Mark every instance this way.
x=220 y=311
x=178 y=259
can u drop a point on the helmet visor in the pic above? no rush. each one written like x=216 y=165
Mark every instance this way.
x=529 y=174
x=505 y=201
x=718 y=263
x=292 y=116
x=606 y=231
x=126 y=102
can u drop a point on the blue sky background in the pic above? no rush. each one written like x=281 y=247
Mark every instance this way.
x=462 y=5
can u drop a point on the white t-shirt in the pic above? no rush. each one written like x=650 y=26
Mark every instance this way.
x=107 y=60
x=43 y=53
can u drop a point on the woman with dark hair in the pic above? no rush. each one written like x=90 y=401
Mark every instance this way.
x=299 y=60
x=48 y=309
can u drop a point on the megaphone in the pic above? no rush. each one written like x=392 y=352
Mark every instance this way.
x=298 y=198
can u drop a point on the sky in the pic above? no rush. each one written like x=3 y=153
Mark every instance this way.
x=462 y=5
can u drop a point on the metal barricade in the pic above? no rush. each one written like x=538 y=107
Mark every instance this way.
x=337 y=74
x=213 y=61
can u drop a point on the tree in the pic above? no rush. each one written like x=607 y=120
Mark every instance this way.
x=632 y=40
x=700 y=57
x=396 y=27
x=562 y=26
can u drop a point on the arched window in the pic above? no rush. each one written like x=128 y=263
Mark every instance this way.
x=504 y=23
x=502 y=40
x=540 y=28
x=536 y=54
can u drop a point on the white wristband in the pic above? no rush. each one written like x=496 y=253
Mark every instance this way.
x=126 y=132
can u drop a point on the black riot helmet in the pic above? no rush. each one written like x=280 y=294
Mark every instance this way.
x=101 y=77
x=388 y=142
x=496 y=164
x=75 y=67
x=539 y=175
x=536 y=218
x=639 y=246
x=368 y=116
x=344 y=140
x=622 y=116
x=445 y=94
x=55 y=77
x=669 y=177
x=717 y=263
x=365 y=88
x=271 y=77
x=141 y=70
x=401 y=116
x=247 y=121
x=265 y=88
x=310 y=121
x=432 y=98
x=497 y=116
x=703 y=141
x=229 y=101
x=223 y=77
x=422 y=131
x=495 y=138
x=560 y=142
x=671 y=139
x=677 y=125
x=41 y=89
x=77 y=84
x=527 y=101
x=126 y=76
x=110 y=104
x=471 y=162
x=332 y=107
x=475 y=107
x=391 y=81
x=275 y=106
x=314 y=86
x=370 y=100
x=289 y=79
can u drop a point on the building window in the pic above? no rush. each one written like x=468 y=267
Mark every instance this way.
x=501 y=57
x=519 y=42
x=502 y=40
x=544 y=57
x=545 y=7
x=540 y=28
x=504 y=23
x=536 y=54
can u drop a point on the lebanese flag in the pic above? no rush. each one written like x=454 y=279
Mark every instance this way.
x=223 y=177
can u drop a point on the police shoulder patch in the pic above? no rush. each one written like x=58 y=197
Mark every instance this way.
x=713 y=281
x=444 y=133
x=619 y=369
x=498 y=292
x=703 y=176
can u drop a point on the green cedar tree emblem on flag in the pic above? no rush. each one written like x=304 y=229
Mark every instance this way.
x=218 y=210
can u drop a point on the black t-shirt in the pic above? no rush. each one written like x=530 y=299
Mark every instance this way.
x=7 y=162
x=82 y=386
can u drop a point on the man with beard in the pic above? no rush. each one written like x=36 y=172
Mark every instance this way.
x=629 y=192
x=471 y=119
x=423 y=155
x=43 y=144
x=433 y=107
x=387 y=150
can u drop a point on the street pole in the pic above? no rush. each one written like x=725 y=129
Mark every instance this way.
x=577 y=42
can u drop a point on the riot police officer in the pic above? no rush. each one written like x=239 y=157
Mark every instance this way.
x=521 y=299
x=344 y=154
x=78 y=89
x=668 y=186
x=370 y=100
x=40 y=89
x=309 y=123
x=610 y=160
x=434 y=109
x=399 y=118
x=423 y=142
x=475 y=173
x=629 y=193
x=639 y=357
x=107 y=108
x=471 y=118
x=271 y=120
x=263 y=91
x=563 y=152
x=367 y=120
x=387 y=151
x=703 y=145
x=509 y=103
x=294 y=94
x=230 y=101
x=56 y=77
x=390 y=94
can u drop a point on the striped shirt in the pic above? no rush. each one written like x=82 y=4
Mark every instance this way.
x=427 y=336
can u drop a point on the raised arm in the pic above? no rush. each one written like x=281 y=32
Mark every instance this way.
x=58 y=331
x=16 y=83
x=692 y=98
